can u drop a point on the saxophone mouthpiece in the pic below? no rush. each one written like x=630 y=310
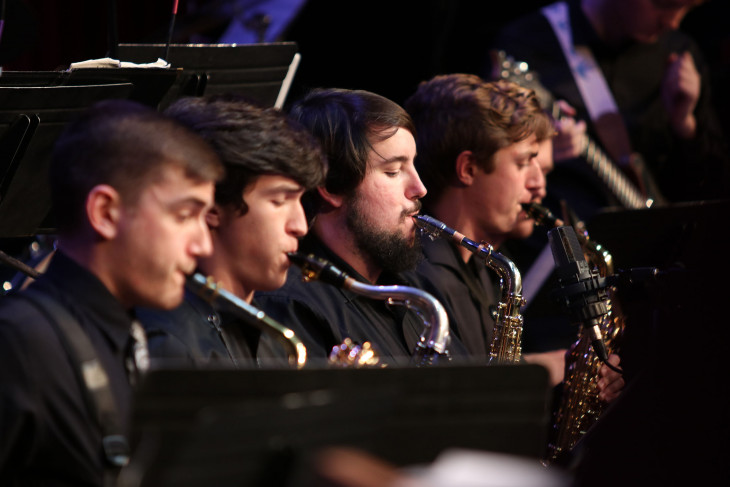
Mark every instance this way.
x=297 y=258
x=430 y=226
x=203 y=286
x=314 y=268
x=541 y=214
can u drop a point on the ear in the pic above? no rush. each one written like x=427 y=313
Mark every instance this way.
x=334 y=200
x=466 y=167
x=213 y=217
x=103 y=209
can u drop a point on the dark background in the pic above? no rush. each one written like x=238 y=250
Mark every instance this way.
x=385 y=46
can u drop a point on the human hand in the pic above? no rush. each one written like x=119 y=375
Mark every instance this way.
x=610 y=383
x=570 y=134
x=680 y=92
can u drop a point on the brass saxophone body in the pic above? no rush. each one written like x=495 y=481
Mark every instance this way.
x=506 y=345
x=580 y=407
x=433 y=343
x=224 y=300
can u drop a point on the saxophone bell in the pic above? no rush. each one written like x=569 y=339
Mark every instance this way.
x=579 y=406
x=211 y=292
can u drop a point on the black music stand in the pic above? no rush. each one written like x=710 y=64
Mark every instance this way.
x=150 y=85
x=681 y=233
x=683 y=242
x=680 y=397
x=31 y=118
x=256 y=71
x=254 y=427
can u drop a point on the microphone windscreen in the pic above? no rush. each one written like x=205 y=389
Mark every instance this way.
x=568 y=254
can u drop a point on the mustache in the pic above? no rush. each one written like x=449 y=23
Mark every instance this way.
x=415 y=209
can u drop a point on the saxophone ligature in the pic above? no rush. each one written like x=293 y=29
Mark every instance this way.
x=580 y=407
x=506 y=345
x=433 y=344
x=224 y=300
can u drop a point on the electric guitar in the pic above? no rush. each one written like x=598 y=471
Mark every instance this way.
x=623 y=188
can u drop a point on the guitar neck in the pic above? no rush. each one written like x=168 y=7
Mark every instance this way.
x=620 y=185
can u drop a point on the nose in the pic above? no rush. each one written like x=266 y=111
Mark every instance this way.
x=415 y=188
x=201 y=244
x=296 y=224
x=536 y=183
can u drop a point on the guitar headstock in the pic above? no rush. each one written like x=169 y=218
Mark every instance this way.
x=506 y=67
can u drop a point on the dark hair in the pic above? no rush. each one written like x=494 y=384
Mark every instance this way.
x=347 y=123
x=127 y=146
x=459 y=112
x=251 y=141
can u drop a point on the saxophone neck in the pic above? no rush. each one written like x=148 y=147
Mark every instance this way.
x=218 y=297
x=435 y=337
x=506 y=345
x=508 y=273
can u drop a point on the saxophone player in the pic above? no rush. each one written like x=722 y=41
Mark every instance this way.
x=362 y=223
x=130 y=190
x=478 y=147
x=255 y=222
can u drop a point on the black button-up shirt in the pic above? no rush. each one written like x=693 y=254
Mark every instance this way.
x=197 y=334
x=48 y=435
x=466 y=289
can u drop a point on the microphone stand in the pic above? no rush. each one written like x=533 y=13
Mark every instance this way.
x=112 y=30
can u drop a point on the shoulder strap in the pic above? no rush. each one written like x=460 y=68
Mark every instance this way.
x=591 y=84
x=599 y=100
x=91 y=373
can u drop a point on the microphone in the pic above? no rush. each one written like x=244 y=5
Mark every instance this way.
x=582 y=291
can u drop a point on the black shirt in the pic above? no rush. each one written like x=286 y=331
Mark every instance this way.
x=48 y=435
x=195 y=333
x=684 y=170
x=467 y=289
x=323 y=315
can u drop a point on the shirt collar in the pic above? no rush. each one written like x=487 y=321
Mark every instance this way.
x=90 y=299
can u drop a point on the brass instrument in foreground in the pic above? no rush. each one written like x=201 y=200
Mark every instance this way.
x=506 y=345
x=434 y=341
x=224 y=300
x=579 y=406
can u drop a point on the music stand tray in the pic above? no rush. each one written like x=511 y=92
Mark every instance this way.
x=238 y=427
x=256 y=71
x=150 y=85
x=681 y=233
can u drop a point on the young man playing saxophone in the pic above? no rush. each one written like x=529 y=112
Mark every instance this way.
x=480 y=164
x=130 y=190
x=255 y=222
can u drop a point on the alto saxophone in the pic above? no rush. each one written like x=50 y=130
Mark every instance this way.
x=506 y=345
x=224 y=300
x=433 y=343
x=580 y=407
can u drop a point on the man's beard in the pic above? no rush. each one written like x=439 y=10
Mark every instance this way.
x=390 y=251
